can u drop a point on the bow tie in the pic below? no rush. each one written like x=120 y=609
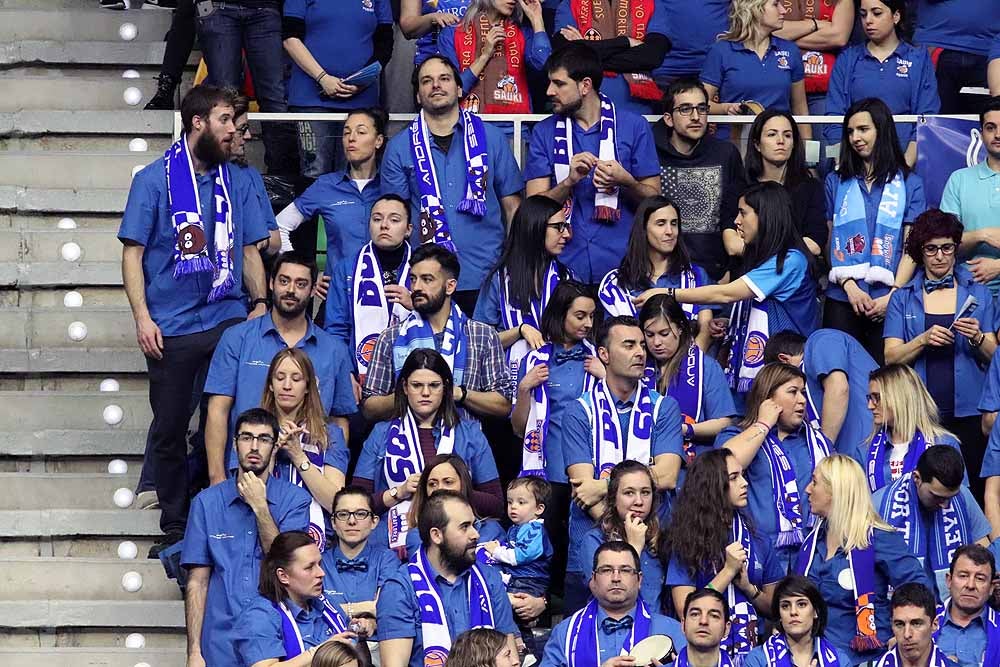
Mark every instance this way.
x=575 y=354
x=611 y=626
x=348 y=565
x=941 y=283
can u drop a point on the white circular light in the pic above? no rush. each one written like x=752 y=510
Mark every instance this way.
x=142 y=664
x=132 y=96
x=71 y=251
x=132 y=582
x=109 y=385
x=113 y=415
x=66 y=223
x=117 y=467
x=138 y=145
x=130 y=74
x=77 y=331
x=128 y=551
x=135 y=640
x=73 y=299
x=123 y=497
x=136 y=169
x=128 y=31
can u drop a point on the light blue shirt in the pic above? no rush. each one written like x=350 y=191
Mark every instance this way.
x=789 y=296
x=973 y=194
x=966 y=646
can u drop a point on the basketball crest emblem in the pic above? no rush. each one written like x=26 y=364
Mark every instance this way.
x=753 y=355
x=533 y=443
x=365 y=349
x=435 y=658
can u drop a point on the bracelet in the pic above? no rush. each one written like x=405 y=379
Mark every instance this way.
x=757 y=594
x=974 y=343
x=847 y=280
x=319 y=77
x=710 y=587
x=671 y=291
x=762 y=427
x=261 y=299
x=519 y=334
x=815 y=25
x=465 y=394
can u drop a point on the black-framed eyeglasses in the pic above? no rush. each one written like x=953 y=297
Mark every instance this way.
x=687 y=109
x=247 y=438
x=874 y=398
x=344 y=516
x=243 y=129
x=560 y=227
x=945 y=248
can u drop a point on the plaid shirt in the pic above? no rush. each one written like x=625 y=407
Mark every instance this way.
x=485 y=369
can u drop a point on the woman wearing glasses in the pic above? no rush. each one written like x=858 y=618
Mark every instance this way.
x=930 y=326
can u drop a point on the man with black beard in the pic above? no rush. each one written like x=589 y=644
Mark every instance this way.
x=189 y=231
x=442 y=591
x=240 y=364
x=472 y=349
x=231 y=527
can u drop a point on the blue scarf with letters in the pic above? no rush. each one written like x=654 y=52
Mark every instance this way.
x=854 y=255
x=879 y=451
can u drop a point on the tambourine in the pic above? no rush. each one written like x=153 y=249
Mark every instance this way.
x=751 y=107
x=654 y=648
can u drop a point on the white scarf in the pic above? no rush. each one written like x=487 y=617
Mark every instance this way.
x=607 y=440
x=563 y=153
x=371 y=310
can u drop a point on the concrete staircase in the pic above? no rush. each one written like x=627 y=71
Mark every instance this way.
x=65 y=131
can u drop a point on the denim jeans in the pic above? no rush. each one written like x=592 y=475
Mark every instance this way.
x=225 y=35
x=321 y=147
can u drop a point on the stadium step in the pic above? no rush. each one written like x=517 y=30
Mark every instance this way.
x=67 y=201
x=104 y=123
x=88 y=657
x=36 y=410
x=84 y=170
x=94 y=94
x=83 y=579
x=79 y=25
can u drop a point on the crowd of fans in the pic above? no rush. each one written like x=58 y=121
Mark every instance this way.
x=676 y=394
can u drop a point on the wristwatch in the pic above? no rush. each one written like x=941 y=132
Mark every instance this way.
x=394 y=492
x=305 y=465
x=258 y=300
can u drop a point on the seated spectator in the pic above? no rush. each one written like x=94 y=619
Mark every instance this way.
x=338 y=654
x=621 y=418
x=423 y=20
x=327 y=43
x=471 y=350
x=913 y=627
x=240 y=365
x=442 y=591
x=691 y=29
x=776 y=152
x=868 y=557
x=779 y=449
x=615 y=619
x=595 y=158
x=705 y=620
x=424 y=422
x=681 y=370
x=482 y=647
x=630 y=39
x=871 y=199
x=968 y=630
x=905 y=421
x=836 y=369
x=369 y=288
x=711 y=542
x=934 y=513
x=459 y=175
x=343 y=197
x=246 y=513
x=290 y=617
x=702 y=174
x=888 y=67
x=490 y=47
x=801 y=613
x=656 y=256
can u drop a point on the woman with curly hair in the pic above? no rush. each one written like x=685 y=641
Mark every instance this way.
x=711 y=543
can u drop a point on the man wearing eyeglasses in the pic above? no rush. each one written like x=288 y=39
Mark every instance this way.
x=230 y=528
x=615 y=619
x=238 y=158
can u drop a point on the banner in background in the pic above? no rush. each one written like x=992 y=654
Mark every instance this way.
x=943 y=146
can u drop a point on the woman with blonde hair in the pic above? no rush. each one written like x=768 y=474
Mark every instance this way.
x=853 y=557
x=905 y=420
x=310 y=454
x=482 y=647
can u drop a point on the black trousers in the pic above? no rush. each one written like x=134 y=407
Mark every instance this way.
x=956 y=70
x=839 y=315
x=969 y=432
x=180 y=40
x=171 y=383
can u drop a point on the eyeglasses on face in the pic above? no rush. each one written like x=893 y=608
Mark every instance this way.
x=945 y=248
x=607 y=571
x=688 y=109
x=247 y=438
x=345 y=515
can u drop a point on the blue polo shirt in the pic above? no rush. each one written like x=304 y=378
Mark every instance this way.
x=612 y=85
x=965 y=645
x=740 y=74
x=262 y=636
x=959 y=25
x=692 y=28
x=758 y=658
x=427 y=45
x=905 y=81
x=990 y=400
x=478 y=240
x=790 y=296
x=830 y=350
x=894 y=566
x=179 y=306
x=222 y=534
x=339 y=35
x=994 y=49
x=399 y=615
x=916 y=203
x=345 y=212
x=765 y=569
x=609 y=645
x=991 y=459
x=905 y=319
x=346 y=582
x=652 y=568
x=973 y=194
x=596 y=247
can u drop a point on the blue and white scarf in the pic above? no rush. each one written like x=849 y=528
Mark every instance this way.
x=683 y=661
x=433 y=219
x=433 y=617
x=991 y=621
x=687 y=388
x=618 y=301
x=582 y=642
x=416 y=333
x=784 y=487
x=778 y=655
x=403 y=458
x=317 y=516
x=892 y=659
x=853 y=254
x=747 y=336
x=605 y=202
x=191 y=253
x=949 y=530
x=742 y=635
x=291 y=637
x=537 y=427
x=511 y=317
x=878 y=453
x=608 y=443
x=372 y=313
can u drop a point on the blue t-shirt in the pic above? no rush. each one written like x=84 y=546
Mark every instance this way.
x=740 y=74
x=692 y=28
x=345 y=212
x=596 y=247
x=478 y=240
x=994 y=49
x=427 y=45
x=262 y=636
x=339 y=36
x=960 y=25
x=790 y=296
x=179 y=306
x=991 y=459
x=652 y=569
x=905 y=81
x=610 y=645
x=346 y=582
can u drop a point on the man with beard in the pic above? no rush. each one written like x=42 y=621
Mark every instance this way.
x=472 y=349
x=230 y=529
x=969 y=630
x=239 y=367
x=442 y=591
x=913 y=627
x=457 y=172
x=615 y=619
x=705 y=621
x=189 y=231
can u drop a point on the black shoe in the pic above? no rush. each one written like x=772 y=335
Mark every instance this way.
x=164 y=542
x=114 y=4
x=163 y=98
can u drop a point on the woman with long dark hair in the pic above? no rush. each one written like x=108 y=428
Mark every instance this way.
x=655 y=257
x=711 y=542
x=871 y=199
